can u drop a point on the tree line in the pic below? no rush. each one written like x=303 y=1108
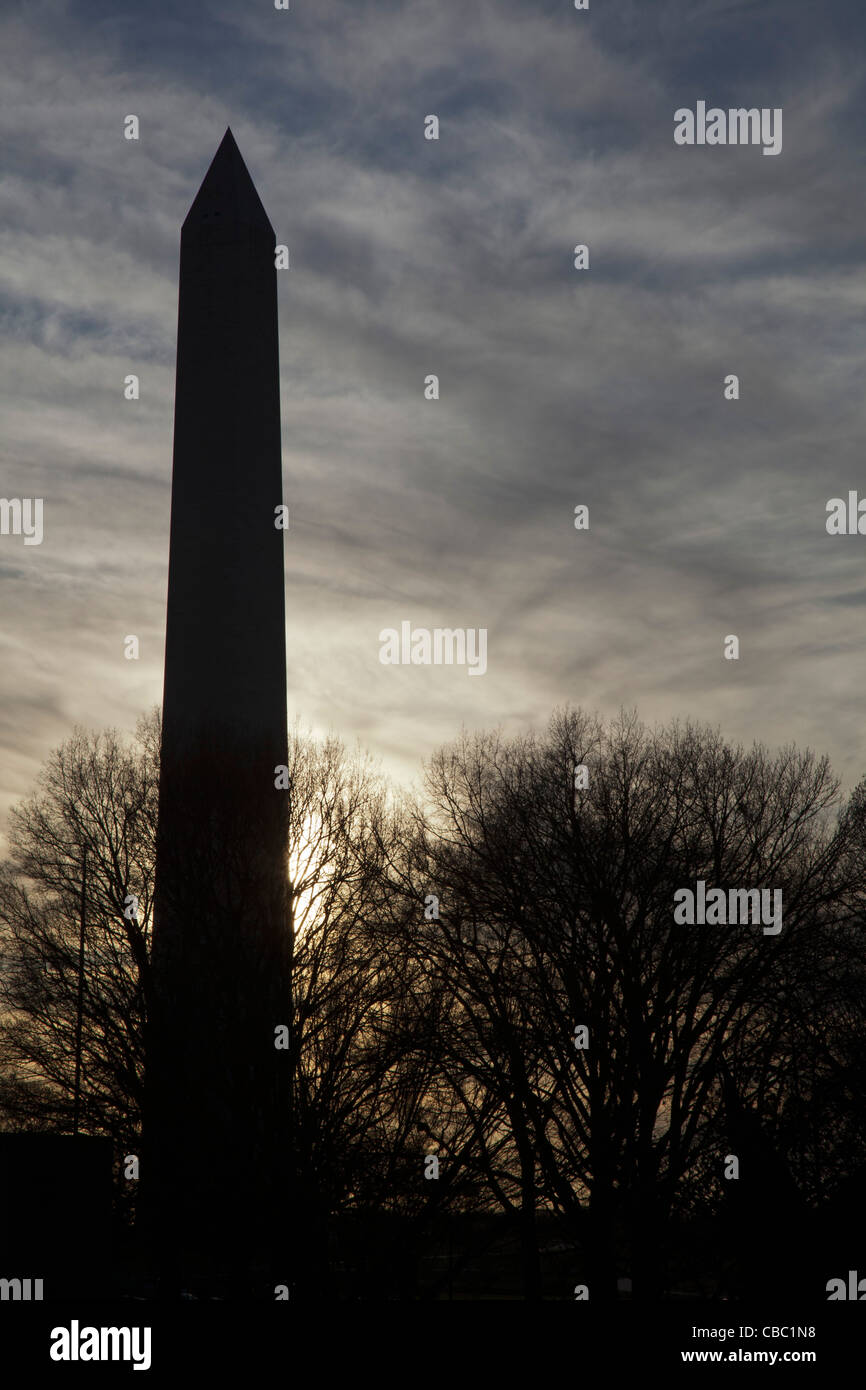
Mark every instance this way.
x=488 y=970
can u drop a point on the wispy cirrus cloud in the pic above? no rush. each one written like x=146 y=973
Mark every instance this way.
x=412 y=257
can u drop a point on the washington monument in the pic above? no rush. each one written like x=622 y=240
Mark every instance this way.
x=215 y=1105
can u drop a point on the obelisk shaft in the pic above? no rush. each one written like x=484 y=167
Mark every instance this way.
x=220 y=958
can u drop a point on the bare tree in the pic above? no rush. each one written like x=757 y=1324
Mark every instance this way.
x=89 y=829
x=355 y=1092
x=557 y=914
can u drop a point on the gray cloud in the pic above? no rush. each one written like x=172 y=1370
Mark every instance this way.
x=411 y=257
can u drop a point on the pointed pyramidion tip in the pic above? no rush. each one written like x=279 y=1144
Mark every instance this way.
x=227 y=197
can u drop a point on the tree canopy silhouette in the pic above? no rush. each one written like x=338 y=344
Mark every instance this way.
x=490 y=971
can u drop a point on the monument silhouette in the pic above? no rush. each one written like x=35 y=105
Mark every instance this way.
x=216 y=1092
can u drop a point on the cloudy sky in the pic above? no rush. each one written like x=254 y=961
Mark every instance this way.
x=455 y=257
